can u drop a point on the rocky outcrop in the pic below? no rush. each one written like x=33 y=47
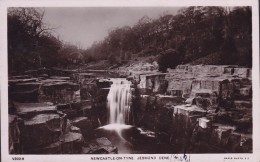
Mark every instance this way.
x=100 y=146
x=69 y=143
x=86 y=126
x=213 y=110
x=200 y=108
x=153 y=111
x=153 y=82
x=55 y=110
x=59 y=92
x=40 y=128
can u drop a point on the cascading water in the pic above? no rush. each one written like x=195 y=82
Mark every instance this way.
x=119 y=109
x=118 y=101
x=124 y=136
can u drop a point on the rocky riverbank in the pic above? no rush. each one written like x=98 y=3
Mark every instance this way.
x=53 y=111
x=195 y=108
x=199 y=108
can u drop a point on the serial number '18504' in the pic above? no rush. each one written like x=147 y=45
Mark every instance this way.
x=18 y=158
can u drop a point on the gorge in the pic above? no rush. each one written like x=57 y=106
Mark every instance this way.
x=193 y=109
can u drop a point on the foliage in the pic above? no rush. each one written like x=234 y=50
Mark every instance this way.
x=194 y=32
x=168 y=59
x=30 y=44
x=191 y=34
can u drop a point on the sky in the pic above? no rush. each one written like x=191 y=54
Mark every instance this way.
x=83 y=26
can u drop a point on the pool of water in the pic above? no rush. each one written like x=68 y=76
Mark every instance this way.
x=132 y=140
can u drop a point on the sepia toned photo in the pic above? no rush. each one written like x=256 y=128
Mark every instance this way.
x=130 y=80
x=168 y=81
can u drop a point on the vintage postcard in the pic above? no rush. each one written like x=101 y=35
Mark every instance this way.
x=110 y=80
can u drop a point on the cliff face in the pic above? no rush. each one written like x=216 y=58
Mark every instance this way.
x=202 y=108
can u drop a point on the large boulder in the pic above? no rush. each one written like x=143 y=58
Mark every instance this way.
x=100 y=146
x=220 y=135
x=28 y=110
x=69 y=143
x=86 y=125
x=75 y=109
x=24 y=90
x=42 y=129
x=155 y=82
x=88 y=91
x=203 y=103
x=59 y=92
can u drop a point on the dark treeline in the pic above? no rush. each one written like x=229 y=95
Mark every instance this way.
x=194 y=33
x=32 y=45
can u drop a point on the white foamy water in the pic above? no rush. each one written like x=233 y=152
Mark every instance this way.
x=118 y=101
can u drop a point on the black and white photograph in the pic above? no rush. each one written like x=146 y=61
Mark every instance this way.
x=146 y=80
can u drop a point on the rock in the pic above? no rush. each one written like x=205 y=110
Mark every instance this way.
x=161 y=87
x=16 y=81
x=62 y=72
x=15 y=126
x=246 y=91
x=54 y=148
x=174 y=92
x=240 y=104
x=74 y=109
x=234 y=142
x=19 y=77
x=203 y=103
x=185 y=118
x=38 y=72
x=179 y=86
x=60 y=78
x=145 y=91
x=188 y=110
x=69 y=143
x=212 y=85
x=59 y=92
x=28 y=86
x=244 y=124
x=204 y=123
x=84 y=78
x=221 y=135
x=155 y=82
x=100 y=146
x=41 y=130
x=242 y=72
x=104 y=83
x=28 y=110
x=144 y=102
x=25 y=96
x=75 y=129
x=165 y=100
x=246 y=143
x=86 y=125
x=159 y=101
x=227 y=89
x=88 y=91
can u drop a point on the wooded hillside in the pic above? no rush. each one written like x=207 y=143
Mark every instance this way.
x=194 y=34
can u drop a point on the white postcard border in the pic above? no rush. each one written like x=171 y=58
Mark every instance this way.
x=4 y=4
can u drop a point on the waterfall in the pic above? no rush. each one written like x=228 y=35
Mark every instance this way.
x=118 y=101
